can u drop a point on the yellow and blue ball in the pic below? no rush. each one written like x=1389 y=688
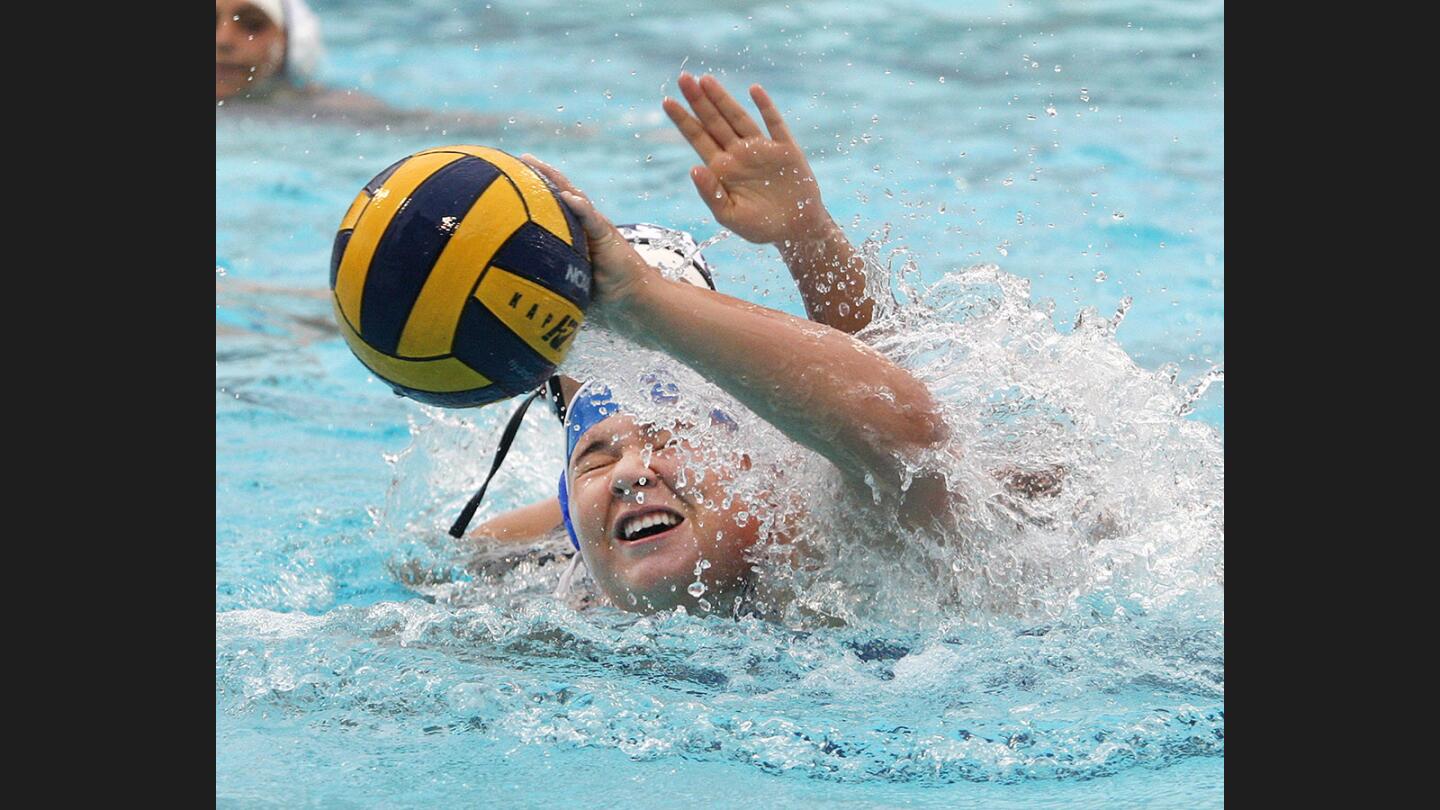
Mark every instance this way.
x=459 y=276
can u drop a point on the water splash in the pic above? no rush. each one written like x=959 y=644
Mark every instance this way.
x=1079 y=480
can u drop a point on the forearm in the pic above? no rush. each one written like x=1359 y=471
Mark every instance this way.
x=521 y=525
x=819 y=386
x=831 y=277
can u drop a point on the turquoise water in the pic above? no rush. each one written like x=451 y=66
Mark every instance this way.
x=359 y=662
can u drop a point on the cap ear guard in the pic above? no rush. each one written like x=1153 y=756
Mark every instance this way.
x=565 y=511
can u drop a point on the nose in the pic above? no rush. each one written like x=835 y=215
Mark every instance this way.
x=227 y=34
x=631 y=475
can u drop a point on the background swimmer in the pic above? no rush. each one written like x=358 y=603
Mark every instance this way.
x=264 y=46
x=267 y=56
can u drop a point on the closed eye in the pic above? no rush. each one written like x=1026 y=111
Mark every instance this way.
x=598 y=465
x=592 y=460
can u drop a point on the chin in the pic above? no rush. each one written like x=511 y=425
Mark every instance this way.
x=661 y=585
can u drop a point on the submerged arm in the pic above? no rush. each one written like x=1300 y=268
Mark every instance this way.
x=523 y=525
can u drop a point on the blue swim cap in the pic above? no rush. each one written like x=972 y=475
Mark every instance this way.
x=591 y=405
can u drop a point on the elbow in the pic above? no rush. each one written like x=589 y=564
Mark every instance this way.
x=924 y=427
x=903 y=417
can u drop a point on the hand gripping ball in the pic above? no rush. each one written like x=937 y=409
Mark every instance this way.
x=459 y=277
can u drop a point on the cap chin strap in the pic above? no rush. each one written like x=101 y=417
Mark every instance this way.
x=506 y=439
x=567 y=579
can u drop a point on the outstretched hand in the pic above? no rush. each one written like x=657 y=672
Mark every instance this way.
x=618 y=269
x=761 y=188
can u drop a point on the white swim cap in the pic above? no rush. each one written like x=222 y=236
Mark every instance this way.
x=303 y=48
x=302 y=36
x=673 y=252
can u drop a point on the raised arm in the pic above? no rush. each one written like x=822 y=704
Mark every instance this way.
x=763 y=189
x=818 y=385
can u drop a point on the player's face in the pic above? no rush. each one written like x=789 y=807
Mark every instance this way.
x=643 y=532
x=249 y=47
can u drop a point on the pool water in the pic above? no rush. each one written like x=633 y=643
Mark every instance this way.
x=1023 y=172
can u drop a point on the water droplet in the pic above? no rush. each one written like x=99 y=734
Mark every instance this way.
x=1100 y=276
x=704 y=605
x=696 y=589
x=1118 y=215
x=639 y=497
x=510 y=120
x=1051 y=111
x=607 y=94
x=1009 y=181
x=942 y=79
x=560 y=108
x=649 y=158
x=1057 y=68
x=1019 y=218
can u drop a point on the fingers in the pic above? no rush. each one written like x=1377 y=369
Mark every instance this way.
x=692 y=129
x=715 y=123
x=768 y=111
x=734 y=114
x=550 y=173
x=597 y=228
x=710 y=189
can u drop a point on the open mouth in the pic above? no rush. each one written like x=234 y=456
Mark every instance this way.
x=647 y=525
